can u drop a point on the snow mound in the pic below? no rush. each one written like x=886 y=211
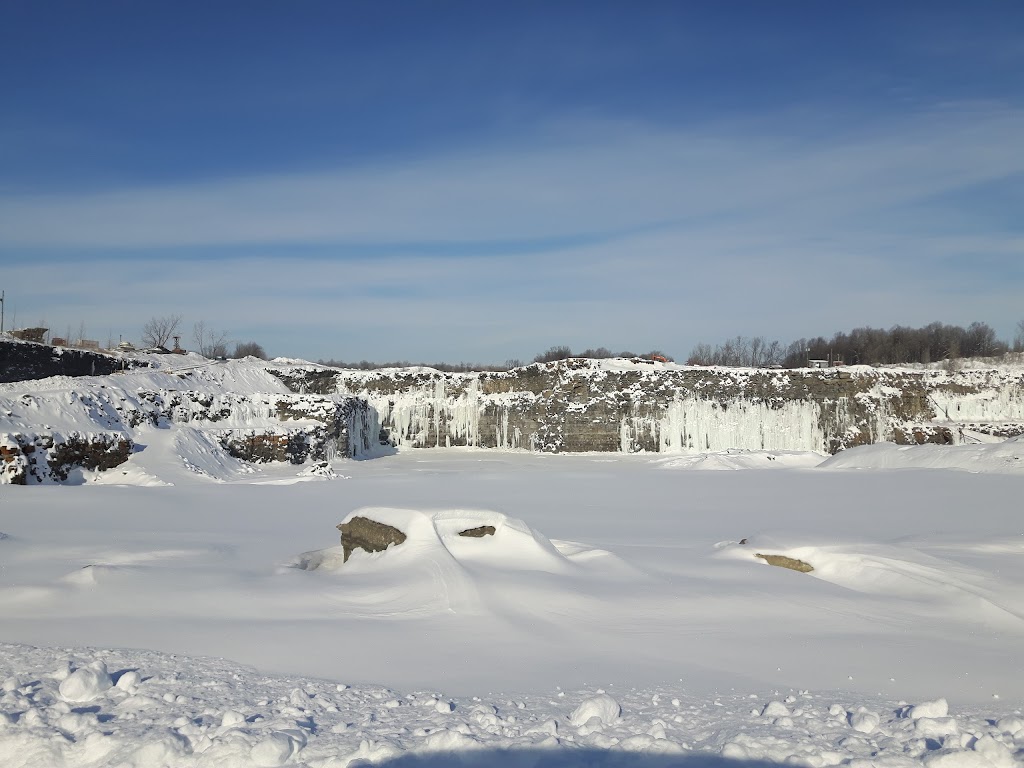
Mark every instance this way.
x=897 y=573
x=85 y=683
x=91 y=575
x=320 y=469
x=1005 y=457
x=602 y=708
x=438 y=569
x=739 y=459
x=436 y=535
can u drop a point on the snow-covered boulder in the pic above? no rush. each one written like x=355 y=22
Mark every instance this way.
x=602 y=707
x=86 y=683
x=937 y=708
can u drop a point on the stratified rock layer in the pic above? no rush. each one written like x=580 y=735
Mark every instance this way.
x=630 y=406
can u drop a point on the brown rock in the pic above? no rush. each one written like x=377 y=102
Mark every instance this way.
x=787 y=562
x=368 y=535
x=478 y=533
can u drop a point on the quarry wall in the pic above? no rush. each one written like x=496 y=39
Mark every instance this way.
x=100 y=426
x=630 y=406
x=25 y=361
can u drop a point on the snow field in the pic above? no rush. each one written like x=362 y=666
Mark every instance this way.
x=159 y=709
x=606 y=568
x=901 y=648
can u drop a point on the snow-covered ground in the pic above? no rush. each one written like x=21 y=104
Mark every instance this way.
x=188 y=608
x=632 y=575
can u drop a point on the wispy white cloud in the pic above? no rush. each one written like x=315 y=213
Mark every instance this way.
x=665 y=289
x=594 y=179
x=692 y=236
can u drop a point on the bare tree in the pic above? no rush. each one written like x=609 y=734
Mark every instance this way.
x=210 y=343
x=554 y=353
x=1018 y=340
x=249 y=349
x=702 y=355
x=158 y=331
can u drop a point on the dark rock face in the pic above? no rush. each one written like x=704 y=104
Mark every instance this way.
x=27 y=458
x=478 y=532
x=263 y=447
x=919 y=435
x=369 y=535
x=26 y=361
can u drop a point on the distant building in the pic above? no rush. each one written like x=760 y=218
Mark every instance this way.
x=832 y=362
x=31 y=334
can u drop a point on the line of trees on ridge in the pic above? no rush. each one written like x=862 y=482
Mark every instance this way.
x=863 y=346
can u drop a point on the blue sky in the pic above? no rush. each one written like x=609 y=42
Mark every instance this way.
x=480 y=181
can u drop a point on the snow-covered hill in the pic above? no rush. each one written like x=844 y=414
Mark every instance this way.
x=55 y=429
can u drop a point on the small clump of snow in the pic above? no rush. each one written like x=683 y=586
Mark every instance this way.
x=775 y=709
x=937 y=708
x=864 y=721
x=86 y=683
x=603 y=707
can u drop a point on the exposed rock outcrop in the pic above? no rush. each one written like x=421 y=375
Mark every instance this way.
x=479 y=532
x=25 y=459
x=369 y=535
x=781 y=561
x=629 y=406
x=257 y=427
x=25 y=361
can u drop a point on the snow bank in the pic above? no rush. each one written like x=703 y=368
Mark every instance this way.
x=739 y=459
x=182 y=712
x=1006 y=457
x=239 y=408
x=436 y=569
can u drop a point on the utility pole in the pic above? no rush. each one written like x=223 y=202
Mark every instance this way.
x=2 y=311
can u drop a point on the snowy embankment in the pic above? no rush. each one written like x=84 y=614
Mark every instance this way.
x=211 y=413
x=138 y=709
x=998 y=457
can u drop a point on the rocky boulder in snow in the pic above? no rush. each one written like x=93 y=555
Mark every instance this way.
x=781 y=561
x=369 y=535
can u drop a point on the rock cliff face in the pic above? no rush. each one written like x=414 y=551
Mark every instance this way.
x=104 y=419
x=26 y=459
x=629 y=406
x=25 y=361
